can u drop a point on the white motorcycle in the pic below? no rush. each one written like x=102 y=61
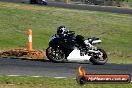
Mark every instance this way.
x=73 y=48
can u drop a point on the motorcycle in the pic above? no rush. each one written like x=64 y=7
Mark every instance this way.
x=72 y=48
x=42 y=2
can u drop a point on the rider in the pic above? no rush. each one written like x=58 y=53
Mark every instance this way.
x=61 y=31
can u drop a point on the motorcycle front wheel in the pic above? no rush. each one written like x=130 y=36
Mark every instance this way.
x=55 y=54
x=99 y=59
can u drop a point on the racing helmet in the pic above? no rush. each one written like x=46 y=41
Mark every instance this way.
x=61 y=30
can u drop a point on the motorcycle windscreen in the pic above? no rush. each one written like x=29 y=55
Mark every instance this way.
x=75 y=56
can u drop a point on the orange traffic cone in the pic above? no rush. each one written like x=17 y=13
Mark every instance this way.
x=29 y=39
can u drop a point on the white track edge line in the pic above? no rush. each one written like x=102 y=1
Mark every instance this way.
x=13 y=75
x=60 y=77
x=36 y=76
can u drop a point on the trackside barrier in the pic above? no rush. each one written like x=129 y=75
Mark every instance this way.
x=29 y=39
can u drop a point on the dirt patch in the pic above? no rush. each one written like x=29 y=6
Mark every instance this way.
x=23 y=53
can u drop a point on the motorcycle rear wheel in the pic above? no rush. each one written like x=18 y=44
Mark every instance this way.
x=99 y=59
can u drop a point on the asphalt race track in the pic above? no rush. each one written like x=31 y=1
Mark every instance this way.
x=93 y=8
x=75 y=6
x=25 y=67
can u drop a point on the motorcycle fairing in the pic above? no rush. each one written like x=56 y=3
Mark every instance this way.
x=76 y=56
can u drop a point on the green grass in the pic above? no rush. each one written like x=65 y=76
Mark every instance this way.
x=115 y=30
x=45 y=82
x=128 y=0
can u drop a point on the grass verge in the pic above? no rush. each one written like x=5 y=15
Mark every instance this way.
x=45 y=82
